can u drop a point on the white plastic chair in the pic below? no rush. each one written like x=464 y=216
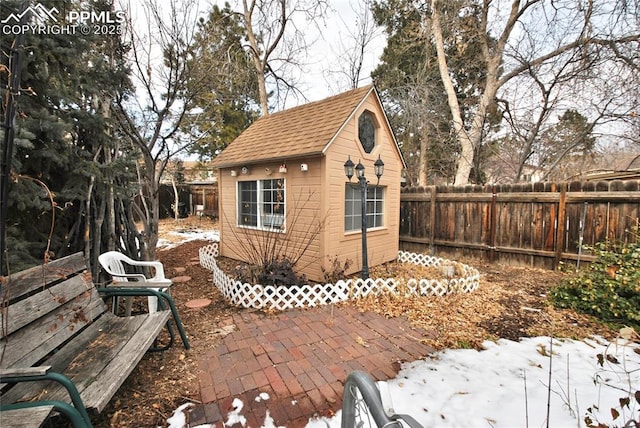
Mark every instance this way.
x=114 y=263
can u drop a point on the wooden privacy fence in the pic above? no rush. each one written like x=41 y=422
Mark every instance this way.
x=206 y=196
x=536 y=224
x=190 y=195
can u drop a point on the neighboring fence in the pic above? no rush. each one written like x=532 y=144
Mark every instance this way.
x=167 y=199
x=190 y=196
x=537 y=224
x=205 y=195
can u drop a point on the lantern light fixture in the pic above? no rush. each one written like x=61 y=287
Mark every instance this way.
x=349 y=168
x=360 y=170
x=378 y=167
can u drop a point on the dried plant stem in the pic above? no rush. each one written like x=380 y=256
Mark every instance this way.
x=47 y=253
x=263 y=247
x=526 y=401
x=549 y=384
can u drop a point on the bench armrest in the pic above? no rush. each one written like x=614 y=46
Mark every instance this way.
x=137 y=284
x=24 y=371
x=150 y=291
x=77 y=413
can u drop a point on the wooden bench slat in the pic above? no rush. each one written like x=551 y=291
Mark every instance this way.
x=30 y=344
x=26 y=281
x=88 y=367
x=25 y=418
x=25 y=371
x=98 y=394
x=30 y=309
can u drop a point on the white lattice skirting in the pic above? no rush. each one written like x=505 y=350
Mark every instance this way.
x=289 y=297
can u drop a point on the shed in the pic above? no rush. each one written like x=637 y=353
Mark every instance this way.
x=282 y=185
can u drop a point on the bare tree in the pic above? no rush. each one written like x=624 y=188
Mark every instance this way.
x=528 y=35
x=353 y=47
x=151 y=117
x=528 y=105
x=275 y=42
x=175 y=170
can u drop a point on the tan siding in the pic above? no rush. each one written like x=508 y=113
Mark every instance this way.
x=302 y=190
x=382 y=243
x=321 y=189
x=306 y=192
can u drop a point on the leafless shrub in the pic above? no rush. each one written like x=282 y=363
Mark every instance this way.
x=276 y=254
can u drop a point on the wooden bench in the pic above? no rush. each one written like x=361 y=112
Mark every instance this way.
x=62 y=351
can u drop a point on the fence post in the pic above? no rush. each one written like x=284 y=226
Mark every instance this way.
x=432 y=220
x=560 y=222
x=492 y=224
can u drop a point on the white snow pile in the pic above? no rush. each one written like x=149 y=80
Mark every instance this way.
x=189 y=235
x=520 y=384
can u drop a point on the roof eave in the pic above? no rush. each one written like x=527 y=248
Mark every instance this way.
x=267 y=160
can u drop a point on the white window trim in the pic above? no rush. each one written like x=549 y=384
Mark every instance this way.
x=384 y=210
x=280 y=219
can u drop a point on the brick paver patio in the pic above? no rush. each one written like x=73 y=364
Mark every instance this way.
x=300 y=358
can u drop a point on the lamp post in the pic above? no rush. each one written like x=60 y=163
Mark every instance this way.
x=349 y=168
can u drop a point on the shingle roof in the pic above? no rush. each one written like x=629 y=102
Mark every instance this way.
x=296 y=132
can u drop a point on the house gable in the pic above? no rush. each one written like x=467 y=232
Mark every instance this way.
x=381 y=120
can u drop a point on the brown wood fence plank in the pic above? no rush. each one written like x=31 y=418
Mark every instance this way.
x=531 y=224
x=432 y=214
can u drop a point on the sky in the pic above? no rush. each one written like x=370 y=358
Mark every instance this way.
x=320 y=74
x=324 y=75
x=504 y=385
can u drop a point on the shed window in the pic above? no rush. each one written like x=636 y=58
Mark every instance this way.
x=353 y=207
x=367 y=131
x=261 y=204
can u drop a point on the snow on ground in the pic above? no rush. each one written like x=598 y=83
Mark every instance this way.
x=186 y=236
x=504 y=385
